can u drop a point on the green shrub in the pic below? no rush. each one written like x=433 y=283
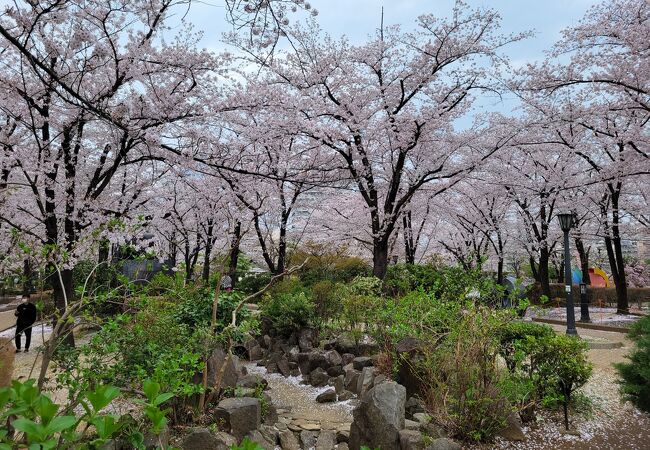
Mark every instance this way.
x=515 y=340
x=251 y=283
x=196 y=310
x=288 y=312
x=326 y=296
x=635 y=375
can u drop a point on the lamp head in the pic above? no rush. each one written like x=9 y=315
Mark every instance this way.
x=566 y=221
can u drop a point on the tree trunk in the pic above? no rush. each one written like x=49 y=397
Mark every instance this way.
x=615 y=255
x=380 y=258
x=62 y=295
x=500 y=271
x=409 y=247
x=234 y=253
x=584 y=260
x=208 y=251
x=543 y=271
x=27 y=278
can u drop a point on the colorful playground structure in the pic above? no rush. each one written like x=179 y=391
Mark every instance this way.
x=597 y=277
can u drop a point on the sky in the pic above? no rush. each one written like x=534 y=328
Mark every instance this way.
x=357 y=19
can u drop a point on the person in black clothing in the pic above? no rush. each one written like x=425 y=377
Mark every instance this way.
x=25 y=318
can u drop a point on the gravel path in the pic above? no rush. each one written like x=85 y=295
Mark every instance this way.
x=300 y=399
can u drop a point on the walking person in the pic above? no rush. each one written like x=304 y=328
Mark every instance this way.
x=25 y=318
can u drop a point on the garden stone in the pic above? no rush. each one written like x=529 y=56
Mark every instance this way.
x=345 y=344
x=326 y=440
x=272 y=368
x=328 y=344
x=361 y=361
x=293 y=353
x=289 y=441
x=365 y=381
x=307 y=337
x=512 y=431
x=347 y=358
x=339 y=384
x=411 y=425
x=443 y=444
x=283 y=366
x=333 y=358
x=345 y=395
x=252 y=381
x=225 y=439
x=271 y=414
x=154 y=441
x=201 y=439
x=413 y=405
x=308 y=438
x=433 y=430
x=422 y=417
x=257 y=437
x=230 y=374
x=342 y=436
x=379 y=379
x=269 y=433
x=411 y=440
x=318 y=377
x=267 y=341
x=335 y=371
x=379 y=417
x=240 y=415
x=328 y=396
x=351 y=380
x=343 y=446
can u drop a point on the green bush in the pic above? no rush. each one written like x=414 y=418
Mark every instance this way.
x=288 y=312
x=515 y=340
x=635 y=375
x=326 y=296
x=251 y=283
x=196 y=310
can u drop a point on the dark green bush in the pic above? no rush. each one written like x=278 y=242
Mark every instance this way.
x=515 y=337
x=251 y=283
x=196 y=310
x=326 y=296
x=635 y=375
x=288 y=312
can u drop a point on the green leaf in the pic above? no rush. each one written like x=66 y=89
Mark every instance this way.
x=45 y=408
x=33 y=430
x=61 y=423
x=162 y=398
x=102 y=396
x=151 y=389
x=106 y=426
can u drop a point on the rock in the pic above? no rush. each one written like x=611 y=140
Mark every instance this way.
x=411 y=440
x=413 y=405
x=328 y=396
x=343 y=446
x=292 y=353
x=252 y=381
x=230 y=373
x=270 y=434
x=342 y=436
x=432 y=430
x=345 y=344
x=361 y=361
x=328 y=344
x=333 y=358
x=443 y=444
x=272 y=368
x=409 y=352
x=225 y=439
x=512 y=431
x=154 y=441
x=422 y=417
x=283 y=366
x=271 y=416
x=201 y=439
x=335 y=371
x=318 y=377
x=307 y=339
x=240 y=415
x=379 y=379
x=345 y=395
x=308 y=439
x=306 y=425
x=339 y=384
x=351 y=379
x=347 y=358
x=411 y=425
x=289 y=441
x=379 y=417
x=267 y=341
x=326 y=440
x=257 y=437
x=365 y=381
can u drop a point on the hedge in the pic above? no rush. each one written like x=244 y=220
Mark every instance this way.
x=596 y=296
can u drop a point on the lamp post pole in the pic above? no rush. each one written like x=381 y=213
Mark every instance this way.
x=566 y=222
x=584 y=304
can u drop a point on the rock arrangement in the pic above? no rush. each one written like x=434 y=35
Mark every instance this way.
x=384 y=415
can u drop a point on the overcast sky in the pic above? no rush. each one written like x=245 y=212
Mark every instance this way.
x=357 y=19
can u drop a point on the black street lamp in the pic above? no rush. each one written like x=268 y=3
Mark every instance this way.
x=566 y=222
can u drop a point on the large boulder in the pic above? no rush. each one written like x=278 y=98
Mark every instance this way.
x=409 y=351
x=326 y=440
x=318 y=377
x=288 y=440
x=411 y=440
x=239 y=415
x=307 y=339
x=361 y=361
x=329 y=396
x=379 y=417
x=220 y=361
x=252 y=381
x=351 y=380
x=365 y=381
x=333 y=358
